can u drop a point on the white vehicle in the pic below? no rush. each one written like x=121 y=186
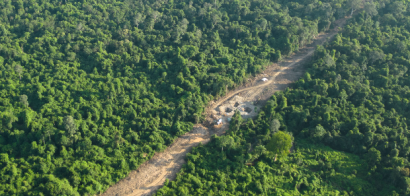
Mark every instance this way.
x=264 y=79
x=219 y=121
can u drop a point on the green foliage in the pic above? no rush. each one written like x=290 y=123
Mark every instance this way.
x=109 y=83
x=23 y=100
x=312 y=169
x=353 y=99
x=280 y=144
x=225 y=141
x=275 y=125
x=70 y=125
x=373 y=157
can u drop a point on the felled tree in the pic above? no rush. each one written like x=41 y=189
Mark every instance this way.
x=280 y=144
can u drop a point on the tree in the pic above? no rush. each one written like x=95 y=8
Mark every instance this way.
x=164 y=75
x=370 y=9
x=397 y=8
x=181 y=29
x=11 y=118
x=259 y=150
x=71 y=56
x=354 y=4
x=197 y=117
x=80 y=27
x=70 y=126
x=189 y=51
x=23 y=100
x=154 y=17
x=328 y=60
x=376 y=55
x=373 y=156
x=48 y=130
x=56 y=186
x=318 y=132
x=201 y=13
x=274 y=125
x=216 y=19
x=280 y=144
x=139 y=18
x=225 y=141
x=236 y=121
x=263 y=23
x=18 y=69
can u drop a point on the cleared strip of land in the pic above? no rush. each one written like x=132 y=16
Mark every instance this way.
x=165 y=165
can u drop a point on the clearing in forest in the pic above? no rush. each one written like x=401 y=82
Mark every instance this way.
x=247 y=99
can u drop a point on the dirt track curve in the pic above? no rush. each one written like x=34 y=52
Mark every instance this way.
x=165 y=165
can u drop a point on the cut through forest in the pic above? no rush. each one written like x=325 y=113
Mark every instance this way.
x=165 y=165
x=93 y=91
x=341 y=129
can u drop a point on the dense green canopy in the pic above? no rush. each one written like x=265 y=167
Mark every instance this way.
x=280 y=144
x=354 y=98
x=91 y=89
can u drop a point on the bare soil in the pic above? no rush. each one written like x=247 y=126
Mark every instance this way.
x=247 y=99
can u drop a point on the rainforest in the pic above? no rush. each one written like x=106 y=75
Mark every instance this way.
x=92 y=89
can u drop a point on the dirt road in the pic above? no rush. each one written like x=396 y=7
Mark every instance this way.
x=151 y=175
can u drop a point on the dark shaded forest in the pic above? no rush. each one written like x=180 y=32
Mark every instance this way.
x=347 y=118
x=89 y=90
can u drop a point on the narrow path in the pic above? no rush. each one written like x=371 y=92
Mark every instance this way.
x=151 y=175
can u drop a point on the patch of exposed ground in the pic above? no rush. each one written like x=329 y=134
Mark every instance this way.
x=247 y=99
